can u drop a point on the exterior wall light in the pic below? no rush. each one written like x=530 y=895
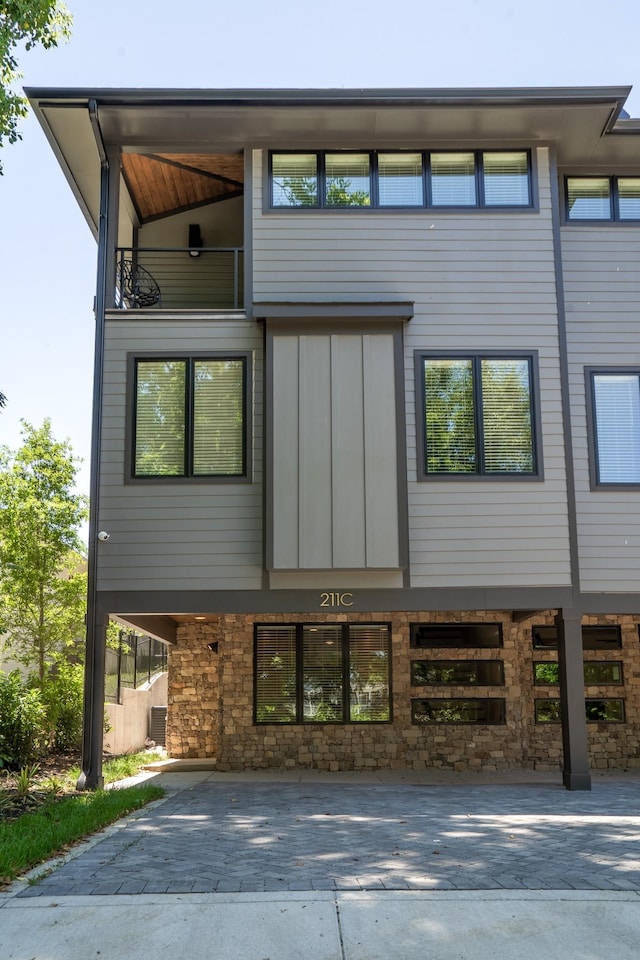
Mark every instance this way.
x=195 y=240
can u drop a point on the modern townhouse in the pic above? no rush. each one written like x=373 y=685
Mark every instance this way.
x=366 y=436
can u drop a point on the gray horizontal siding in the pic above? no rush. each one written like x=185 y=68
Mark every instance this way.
x=479 y=281
x=602 y=288
x=176 y=535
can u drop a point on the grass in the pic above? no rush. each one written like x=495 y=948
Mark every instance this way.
x=43 y=833
x=59 y=819
x=119 y=767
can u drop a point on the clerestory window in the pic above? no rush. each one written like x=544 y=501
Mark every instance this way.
x=327 y=180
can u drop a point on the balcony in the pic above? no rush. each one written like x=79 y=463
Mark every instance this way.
x=179 y=278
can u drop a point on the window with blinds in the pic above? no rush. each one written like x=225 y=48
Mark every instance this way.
x=294 y=180
x=322 y=673
x=616 y=417
x=347 y=181
x=453 y=179
x=478 y=415
x=505 y=177
x=401 y=179
x=190 y=417
x=275 y=675
x=602 y=198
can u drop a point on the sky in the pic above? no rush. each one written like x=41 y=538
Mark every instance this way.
x=48 y=255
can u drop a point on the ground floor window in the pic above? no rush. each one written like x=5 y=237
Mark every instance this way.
x=322 y=673
x=596 y=711
x=482 y=710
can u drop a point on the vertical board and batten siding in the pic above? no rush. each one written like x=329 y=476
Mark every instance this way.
x=480 y=281
x=335 y=468
x=180 y=535
x=602 y=293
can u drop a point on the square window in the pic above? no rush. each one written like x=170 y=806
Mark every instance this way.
x=478 y=416
x=189 y=417
x=347 y=181
x=322 y=673
x=589 y=198
x=294 y=180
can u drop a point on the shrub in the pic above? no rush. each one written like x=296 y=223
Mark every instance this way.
x=22 y=722
x=62 y=695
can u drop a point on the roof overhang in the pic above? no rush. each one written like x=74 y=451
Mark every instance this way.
x=583 y=122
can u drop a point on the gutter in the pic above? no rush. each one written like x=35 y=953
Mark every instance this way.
x=93 y=725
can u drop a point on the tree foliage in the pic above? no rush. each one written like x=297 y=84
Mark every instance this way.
x=24 y=24
x=478 y=416
x=303 y=192
x=42 y=586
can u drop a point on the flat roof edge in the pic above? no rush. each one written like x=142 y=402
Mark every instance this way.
x=111 y=96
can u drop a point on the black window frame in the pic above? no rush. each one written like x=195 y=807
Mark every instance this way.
x=439 y=703
x=614 y=199
x=588 y=700
x=299 y=718
x=456 y=639
x=498 y=665
x=189 y=358
x=586 y=665
x=374 y=192
x=477 y=356
x=589 y=632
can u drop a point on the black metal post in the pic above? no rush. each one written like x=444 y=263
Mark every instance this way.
x=575 y=744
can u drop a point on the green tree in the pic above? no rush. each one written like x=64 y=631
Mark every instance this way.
x=25 y=24
x=42 y=585
x=303 y=192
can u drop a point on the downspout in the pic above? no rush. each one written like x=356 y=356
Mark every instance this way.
x=92 y=735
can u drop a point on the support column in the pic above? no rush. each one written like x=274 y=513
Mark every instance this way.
x=91 y=776
x=575 y=745
x=93 y=729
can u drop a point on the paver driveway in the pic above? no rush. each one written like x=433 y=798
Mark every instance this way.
x=213 y=835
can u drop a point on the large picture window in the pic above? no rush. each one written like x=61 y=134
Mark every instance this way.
x=322 y=673
x=190 y=417
x=400 y=179
x=615 y=398
x=478 y=415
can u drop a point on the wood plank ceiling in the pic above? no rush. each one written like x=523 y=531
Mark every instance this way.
x=161 y=185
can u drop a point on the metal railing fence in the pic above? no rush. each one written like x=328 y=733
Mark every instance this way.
x=135 y=661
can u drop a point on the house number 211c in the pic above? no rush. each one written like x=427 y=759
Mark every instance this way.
x=336 y=599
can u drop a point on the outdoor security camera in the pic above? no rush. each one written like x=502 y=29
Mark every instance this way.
x=103 y=536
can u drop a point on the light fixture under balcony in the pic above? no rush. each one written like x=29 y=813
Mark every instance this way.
x=195 y=239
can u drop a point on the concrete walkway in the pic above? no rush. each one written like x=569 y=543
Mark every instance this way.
x=351 y=867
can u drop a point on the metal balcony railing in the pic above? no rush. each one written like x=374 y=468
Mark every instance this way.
x=206 y=278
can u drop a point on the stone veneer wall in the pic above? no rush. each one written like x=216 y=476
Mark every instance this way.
x=211 y=703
